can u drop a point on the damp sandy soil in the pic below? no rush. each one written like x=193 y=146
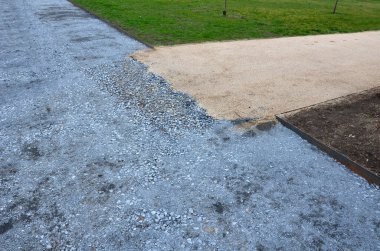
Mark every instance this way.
x=350 y=124
x=260 y=78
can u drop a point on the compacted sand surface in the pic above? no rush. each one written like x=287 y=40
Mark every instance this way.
x=260 y=78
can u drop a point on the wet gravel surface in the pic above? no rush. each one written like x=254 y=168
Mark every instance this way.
x=98 y=154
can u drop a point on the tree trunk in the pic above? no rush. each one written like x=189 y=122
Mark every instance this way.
x=336 y=4
x=225 y=8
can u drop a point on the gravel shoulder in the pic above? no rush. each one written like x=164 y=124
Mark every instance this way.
x=98 y=153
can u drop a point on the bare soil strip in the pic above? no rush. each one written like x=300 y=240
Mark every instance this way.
x=349 y=124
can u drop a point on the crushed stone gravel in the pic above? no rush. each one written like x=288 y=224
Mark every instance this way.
x=96 y=153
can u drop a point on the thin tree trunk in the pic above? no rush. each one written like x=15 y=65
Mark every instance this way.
x=336 y=4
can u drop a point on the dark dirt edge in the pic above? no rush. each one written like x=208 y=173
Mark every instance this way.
x=371 y=177
x=112 y=25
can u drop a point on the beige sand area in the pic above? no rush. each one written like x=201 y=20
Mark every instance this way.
x=263 y=77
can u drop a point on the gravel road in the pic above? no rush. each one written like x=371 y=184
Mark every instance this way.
x=96 y=153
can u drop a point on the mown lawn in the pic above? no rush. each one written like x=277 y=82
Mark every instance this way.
x=166 y=22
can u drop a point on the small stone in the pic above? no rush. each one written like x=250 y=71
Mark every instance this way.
x=249 y=134
x=265 y=126
x=210 y=230
x=140 y=218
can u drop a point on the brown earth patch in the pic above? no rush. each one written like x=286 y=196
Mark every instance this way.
x=349 y=124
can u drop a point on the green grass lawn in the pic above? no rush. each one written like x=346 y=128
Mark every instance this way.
x=166 y=22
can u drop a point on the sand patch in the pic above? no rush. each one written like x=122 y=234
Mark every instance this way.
x=263 y=77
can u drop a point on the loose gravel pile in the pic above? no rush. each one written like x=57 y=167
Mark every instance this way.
x=158 y=103
x=98 y=154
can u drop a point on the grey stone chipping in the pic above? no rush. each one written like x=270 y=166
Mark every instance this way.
x=96 y=153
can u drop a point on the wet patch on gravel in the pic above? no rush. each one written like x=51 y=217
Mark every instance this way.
x=59 y=13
